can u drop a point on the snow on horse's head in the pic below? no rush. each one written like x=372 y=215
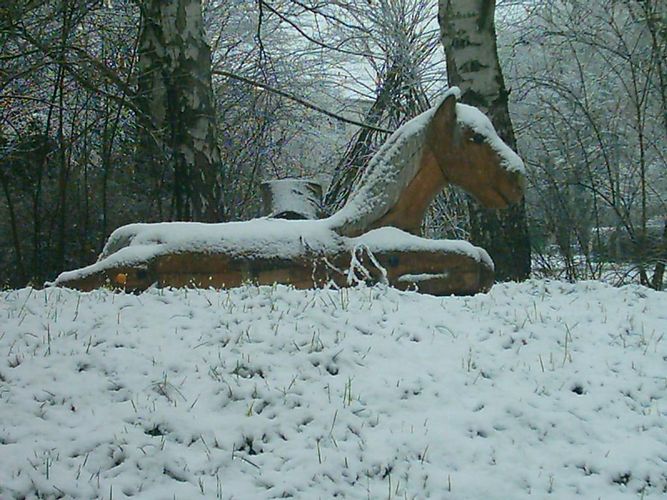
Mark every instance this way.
x=452 y=143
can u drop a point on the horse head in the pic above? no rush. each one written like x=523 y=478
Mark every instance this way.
x=466 y=147
x=452 y=143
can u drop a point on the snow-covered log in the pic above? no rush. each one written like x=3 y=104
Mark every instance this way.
x=304 y=254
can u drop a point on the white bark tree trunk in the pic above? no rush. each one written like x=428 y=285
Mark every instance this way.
x=177 y=132
x=468 y=35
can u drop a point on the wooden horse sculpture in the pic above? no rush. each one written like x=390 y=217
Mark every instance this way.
x=373 y=238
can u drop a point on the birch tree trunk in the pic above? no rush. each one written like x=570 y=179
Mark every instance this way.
x=468 y=35
x=177 y=133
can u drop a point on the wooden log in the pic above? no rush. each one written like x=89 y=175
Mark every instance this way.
x=411 y=263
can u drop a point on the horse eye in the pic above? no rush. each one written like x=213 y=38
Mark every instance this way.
x=478 y=139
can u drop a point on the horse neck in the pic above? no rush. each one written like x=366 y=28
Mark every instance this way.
x=387 y=176
x=408 y=212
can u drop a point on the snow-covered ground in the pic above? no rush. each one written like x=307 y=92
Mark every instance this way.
x=537 y=390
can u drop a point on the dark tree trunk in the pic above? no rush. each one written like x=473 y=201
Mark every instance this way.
x=21 y=278
x=469 y=38
x=659 y=273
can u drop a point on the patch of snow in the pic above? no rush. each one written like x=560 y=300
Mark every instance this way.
x=390 y=238
x=535 y=390
x=134 y=244
x=418 y=278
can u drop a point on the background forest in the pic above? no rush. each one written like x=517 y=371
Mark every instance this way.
x=82 y=143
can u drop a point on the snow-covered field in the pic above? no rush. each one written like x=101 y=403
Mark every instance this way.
x=537 y=390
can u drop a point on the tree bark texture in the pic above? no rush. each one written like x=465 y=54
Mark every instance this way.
x=177 y=132
x=469 y=38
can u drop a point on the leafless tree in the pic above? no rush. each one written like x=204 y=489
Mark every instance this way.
x=590 y=100
x=400 y=50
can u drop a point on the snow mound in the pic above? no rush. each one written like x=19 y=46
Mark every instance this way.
x=537 y=390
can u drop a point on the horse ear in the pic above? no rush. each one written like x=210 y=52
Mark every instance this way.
x=446 y=112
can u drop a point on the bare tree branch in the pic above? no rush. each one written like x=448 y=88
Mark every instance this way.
x=298 y=100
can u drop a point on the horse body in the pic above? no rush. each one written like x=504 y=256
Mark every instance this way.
x=451 y=143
